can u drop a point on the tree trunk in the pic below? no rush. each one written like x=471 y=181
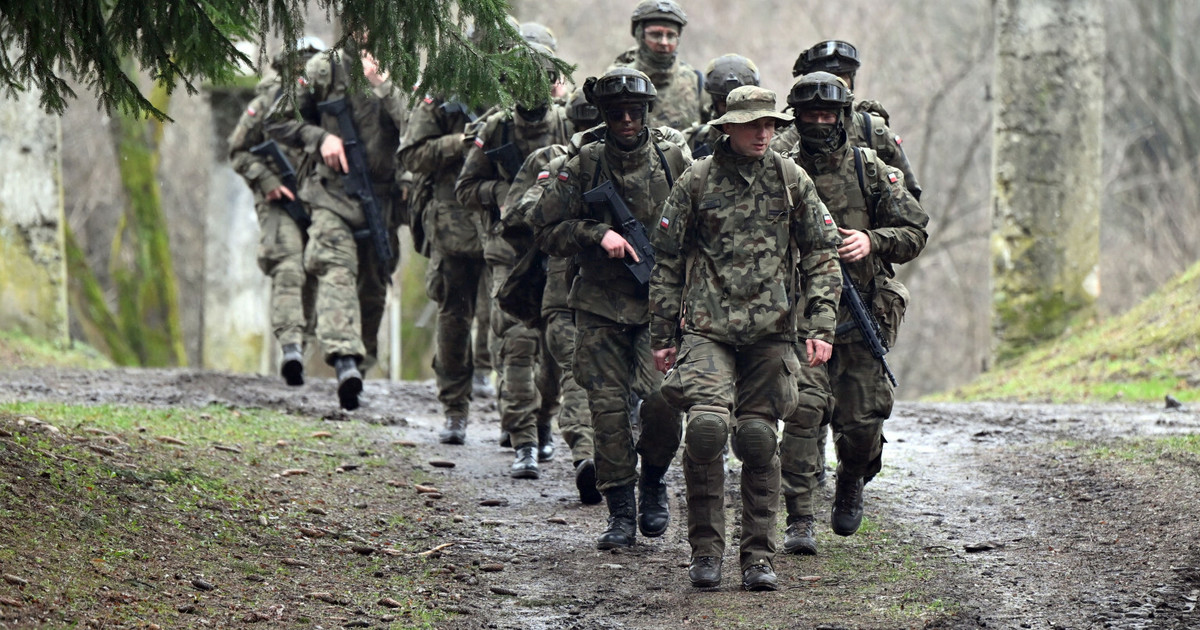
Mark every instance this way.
x=1046 y=168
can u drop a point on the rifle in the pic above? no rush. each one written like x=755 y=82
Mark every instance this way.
x=508 y=157
x=865 y=322
x=357 y=183
x=270 y=150
x=628 y=226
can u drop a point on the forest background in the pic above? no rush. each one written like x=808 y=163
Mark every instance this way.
x=929 y=63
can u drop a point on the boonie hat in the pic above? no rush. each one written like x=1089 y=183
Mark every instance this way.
x=748 y=103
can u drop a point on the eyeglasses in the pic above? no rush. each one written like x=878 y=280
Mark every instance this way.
x=619 y=112
x=614 y=86
x=827 y=92
x=831 y=48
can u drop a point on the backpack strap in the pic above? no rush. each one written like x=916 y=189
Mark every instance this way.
x=700 y=170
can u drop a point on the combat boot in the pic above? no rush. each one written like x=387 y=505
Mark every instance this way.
x=525 y=465
x=505 y=439
x=545 y=445
x=798 y=539
x=585 y=482
x=847 y=505
x=291 y=368
x=455 y=431
x=759 y=577
x=349 y=381
x=705 y=571
x=654 y=513
x=621 y=514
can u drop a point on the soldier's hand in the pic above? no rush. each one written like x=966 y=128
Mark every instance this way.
x=333 y=153
x=664 y=359
x=280 y=193
x=371 y=70
x=617 y=246
x=818 y=351
x=855 y=245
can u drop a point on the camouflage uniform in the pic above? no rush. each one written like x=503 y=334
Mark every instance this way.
x=869 y=130
x=851 y=390
x=678 y=85
x=281 y=240
x=483 y=186
x=612 y=342
x=351 y=294
x=433 y=146
x=724 y=291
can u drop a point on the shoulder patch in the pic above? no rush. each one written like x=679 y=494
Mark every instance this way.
x=479 y=142
x=664 y=223
x=543 y=175
x=302 y=81
x=428 y=100
x=899 y=141
x=828 y=220
x=563 y=176
x=250 y=111
x=892 y=178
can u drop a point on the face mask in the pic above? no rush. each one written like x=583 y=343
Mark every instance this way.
x=820 y=137
x=533 y=115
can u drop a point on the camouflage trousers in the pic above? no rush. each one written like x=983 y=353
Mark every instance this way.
x=485 y=345
x=351 y=296
x=757 y=382
x=612 y=361
x=574 y=420
x=293 y=291
x=851 y=393
x=518 y=350
x=453 y=282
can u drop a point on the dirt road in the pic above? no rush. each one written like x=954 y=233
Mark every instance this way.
x=985 y=516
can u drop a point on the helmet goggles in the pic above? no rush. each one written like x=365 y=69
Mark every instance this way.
x=819 y=93
x=614 y=86
x=831 y=48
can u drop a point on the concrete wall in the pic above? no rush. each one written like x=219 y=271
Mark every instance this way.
x=33 y=273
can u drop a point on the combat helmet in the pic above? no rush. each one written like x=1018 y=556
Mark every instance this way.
x=657 y=10
x=306 y=46
x=833 y=55
x=620 y=84
x=728 y=72
x=536 y=33
x=820 y=90
x=580 y=112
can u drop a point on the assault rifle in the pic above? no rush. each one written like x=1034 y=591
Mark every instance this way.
x=865 y=322
x=357 y=184
x=628 y=226
x=508 y=157
x=271 y=151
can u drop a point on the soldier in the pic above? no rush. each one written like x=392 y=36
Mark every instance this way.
x=492 y=163
x=612 y=342
x=868 y=124
x=657 y=26
x=881 y=225
x=724 y=302
x=722 y=75
x=351 y=273
x=281 y=236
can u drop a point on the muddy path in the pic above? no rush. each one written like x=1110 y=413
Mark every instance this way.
x=997 y=515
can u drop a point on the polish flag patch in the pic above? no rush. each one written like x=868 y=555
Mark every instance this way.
x=428 y=100
x=563 y=176
x=479 y=142
x=892 y=178
x=664 y=223
x=899 y=140
x=543 y=175
x=302 y=81
x=828 y=220
x=250 y=111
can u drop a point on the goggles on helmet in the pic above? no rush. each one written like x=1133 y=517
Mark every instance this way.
x=830 y=93
x=608 y=87
x=831 y=48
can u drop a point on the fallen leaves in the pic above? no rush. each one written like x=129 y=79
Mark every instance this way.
x=166 y=439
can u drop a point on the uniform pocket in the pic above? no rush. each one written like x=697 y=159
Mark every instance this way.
x=889 y=304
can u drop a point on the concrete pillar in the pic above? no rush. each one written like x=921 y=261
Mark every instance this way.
x=33 y=270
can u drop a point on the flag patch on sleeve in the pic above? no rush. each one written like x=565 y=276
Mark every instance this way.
x=664 y=223
x=479 y=142
x=428 y=100
x=828 y=220
x=892 y=178
x=250 y=111
x=563 y=176
x=899 y=140
x=302 y=81
x=543 y=175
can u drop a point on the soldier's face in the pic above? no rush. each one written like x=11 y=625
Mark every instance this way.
x=818 y=116
x=751 y=139
x=661 y=39
x=625 y=120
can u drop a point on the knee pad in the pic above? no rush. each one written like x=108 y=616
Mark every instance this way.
x=706 y=433
x=755 y=444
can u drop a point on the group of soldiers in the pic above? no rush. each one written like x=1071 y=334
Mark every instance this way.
x=654 y=270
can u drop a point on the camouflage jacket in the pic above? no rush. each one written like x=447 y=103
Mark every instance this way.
x=728 y=249
x=880 y=205
x=868 y=130
x=259 y=172
x=484 y=181
x=702 y=139
x=433 y=148
x=566 y=226
x=679 y=89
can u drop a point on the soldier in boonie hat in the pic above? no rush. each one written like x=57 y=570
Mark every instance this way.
x=749 y=103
